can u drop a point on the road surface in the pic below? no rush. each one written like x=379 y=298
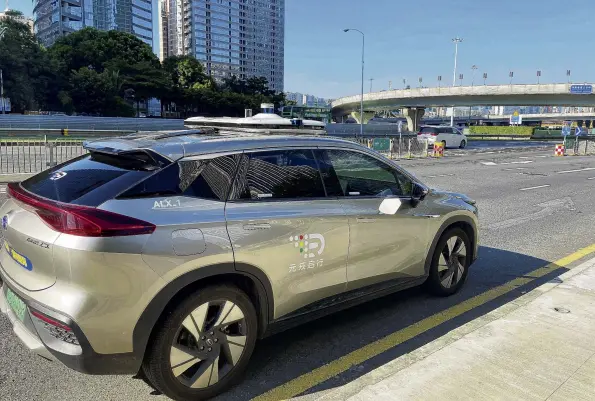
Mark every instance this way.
x=534 y=208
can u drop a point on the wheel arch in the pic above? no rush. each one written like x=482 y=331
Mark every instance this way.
x=248 y=278
x=465 y=223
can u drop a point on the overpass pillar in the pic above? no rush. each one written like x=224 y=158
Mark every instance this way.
x=413 y=116
x=368 y=115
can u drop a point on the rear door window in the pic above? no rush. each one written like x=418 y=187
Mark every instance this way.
x=280 y=174
x=205 y=178
x=90 y=179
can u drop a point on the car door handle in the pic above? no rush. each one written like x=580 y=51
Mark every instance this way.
x=427 y=216
x=364 y=220
x=257 y=226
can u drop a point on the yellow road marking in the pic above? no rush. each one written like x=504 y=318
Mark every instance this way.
x=319 y=375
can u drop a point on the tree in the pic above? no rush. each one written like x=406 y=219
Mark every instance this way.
x=26 y=68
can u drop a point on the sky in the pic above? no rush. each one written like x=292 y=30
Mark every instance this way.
x=413 y=39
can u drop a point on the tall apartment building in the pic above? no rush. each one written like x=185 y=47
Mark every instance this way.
x=56 y=18
x=245 y=38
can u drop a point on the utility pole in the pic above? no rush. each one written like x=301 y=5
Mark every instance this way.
x=456 y=41
x=473 y=68
x=2 y=92
x=371 y=80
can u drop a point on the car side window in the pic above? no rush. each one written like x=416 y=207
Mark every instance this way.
x=350 y=173
x=279 y=174
x=206 y=179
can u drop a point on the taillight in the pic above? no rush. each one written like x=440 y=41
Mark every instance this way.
x=54 y=328
x=434 y=134
x=78 y=220
x=419 y=133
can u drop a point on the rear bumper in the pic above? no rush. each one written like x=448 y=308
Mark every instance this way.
x=81 y=357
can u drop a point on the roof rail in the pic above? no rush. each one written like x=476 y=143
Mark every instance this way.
x=156 y=135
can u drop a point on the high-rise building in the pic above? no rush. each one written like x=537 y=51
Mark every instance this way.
x=230 y=37
x=54 y=19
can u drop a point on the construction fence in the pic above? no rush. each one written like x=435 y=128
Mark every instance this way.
x=398 y=148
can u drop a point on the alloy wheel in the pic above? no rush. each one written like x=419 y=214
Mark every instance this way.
x=452 y=260
x=209 y=343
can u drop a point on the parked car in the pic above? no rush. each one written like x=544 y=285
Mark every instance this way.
x=172 y=253
x=451 y=137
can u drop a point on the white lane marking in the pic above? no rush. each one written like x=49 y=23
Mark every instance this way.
x=523 y=162
x=592 y=178
x=488 y=163
x=537 y=187
x=576 y=171
x=525 y=157
x=488 y=153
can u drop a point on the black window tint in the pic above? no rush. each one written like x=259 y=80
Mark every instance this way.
x=281 y=174
x=428 y=130
x=88 y=180
x=207 y=179
x=362 y=175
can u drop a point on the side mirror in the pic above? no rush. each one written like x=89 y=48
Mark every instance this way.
x=418 y=194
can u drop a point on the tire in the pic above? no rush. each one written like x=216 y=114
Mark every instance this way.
x=227 y=318
x=444 y=266
x=444 y=145
x=463 y=144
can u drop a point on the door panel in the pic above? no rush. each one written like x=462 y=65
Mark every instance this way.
x=381 y=246
x=281 y=223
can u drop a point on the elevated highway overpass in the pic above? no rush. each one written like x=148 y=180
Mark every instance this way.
x=414 y=101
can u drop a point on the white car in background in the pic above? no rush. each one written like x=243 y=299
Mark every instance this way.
x=452 y=137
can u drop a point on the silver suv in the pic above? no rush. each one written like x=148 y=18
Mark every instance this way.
x=173 y=253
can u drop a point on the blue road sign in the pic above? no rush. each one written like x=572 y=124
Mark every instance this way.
x=581 y=89
x=578 y=131
x=566 y=129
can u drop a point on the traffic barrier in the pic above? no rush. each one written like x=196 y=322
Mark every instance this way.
x=560 y=150
x=438 y=149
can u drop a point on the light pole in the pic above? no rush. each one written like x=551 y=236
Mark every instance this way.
x=456 y=41
x=473 y=69
x=568 y=75
x=361 y=109
x=2 y=31
x=538 y=76
x=485 y=77
x=511 y=75
x=420 y=81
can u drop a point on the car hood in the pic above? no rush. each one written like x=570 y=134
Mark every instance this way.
x=462 y=197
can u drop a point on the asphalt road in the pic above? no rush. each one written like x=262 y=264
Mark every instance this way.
x=534 y=208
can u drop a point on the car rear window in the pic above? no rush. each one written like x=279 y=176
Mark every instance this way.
x=428 y=130
x=90 y=179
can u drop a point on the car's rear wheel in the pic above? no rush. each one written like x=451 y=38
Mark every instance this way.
x=203 y=346
x=463 y=144
x=450 y=263
x=443 y=144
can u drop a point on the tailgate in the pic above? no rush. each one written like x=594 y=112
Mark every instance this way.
x=27 y=255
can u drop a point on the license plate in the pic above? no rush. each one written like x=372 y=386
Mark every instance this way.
x=16 y=304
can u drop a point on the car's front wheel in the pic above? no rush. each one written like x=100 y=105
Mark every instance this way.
x=463 y=144
x=203 y=346
x=450 y=263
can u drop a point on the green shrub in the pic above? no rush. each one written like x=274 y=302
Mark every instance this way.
x=501 y=130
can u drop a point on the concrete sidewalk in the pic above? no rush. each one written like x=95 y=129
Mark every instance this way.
x=539 y=347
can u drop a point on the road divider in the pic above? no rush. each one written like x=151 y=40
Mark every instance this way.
x=319 y=375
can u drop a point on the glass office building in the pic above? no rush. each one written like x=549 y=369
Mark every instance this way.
x=56 y=18
x=230 y=37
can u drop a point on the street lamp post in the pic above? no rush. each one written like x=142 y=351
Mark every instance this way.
x=2 y=31
x=456 y=41
x=473 y=69
x=511 y=75
x=568 y=75
x=538 y=76
x=485 y=77
x=361 y=110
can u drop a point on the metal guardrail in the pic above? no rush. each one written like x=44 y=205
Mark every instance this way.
x=35 y=155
